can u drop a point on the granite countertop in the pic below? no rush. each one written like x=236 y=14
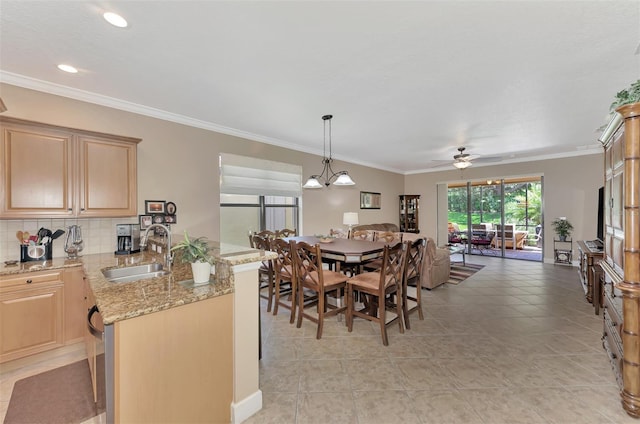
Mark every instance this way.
x=120 y=301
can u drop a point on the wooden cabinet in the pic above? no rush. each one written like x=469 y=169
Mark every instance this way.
x=176 y=365
x=588 y=260
x=409 y=205
x=74 y=305
x=31 y=313
x=621 y=273
x=62 y=172
x=40 y=311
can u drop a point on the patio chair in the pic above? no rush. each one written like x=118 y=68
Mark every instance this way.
x=481 y=240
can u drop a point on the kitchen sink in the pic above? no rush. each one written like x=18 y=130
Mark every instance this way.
x=133 y=273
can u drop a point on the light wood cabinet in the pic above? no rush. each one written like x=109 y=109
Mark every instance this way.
x=40 y=311
x=62 y=172
x=74 y=305
x=175 y=366
x=31 y=313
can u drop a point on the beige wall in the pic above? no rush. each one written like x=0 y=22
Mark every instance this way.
x=180 y=163
x=570 y=189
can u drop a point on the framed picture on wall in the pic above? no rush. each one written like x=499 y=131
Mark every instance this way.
x=370 y=200
x=170 y=219
x=145 y=221
x=152 y=207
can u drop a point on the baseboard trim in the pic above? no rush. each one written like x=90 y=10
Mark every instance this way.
x=248 y=406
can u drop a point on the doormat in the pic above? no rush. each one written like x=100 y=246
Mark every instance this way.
x=460 y=272
x=61 y=395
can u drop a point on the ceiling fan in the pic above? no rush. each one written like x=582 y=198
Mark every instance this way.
x=462 y=160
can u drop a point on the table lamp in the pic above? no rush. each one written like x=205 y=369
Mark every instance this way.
x=350 y=219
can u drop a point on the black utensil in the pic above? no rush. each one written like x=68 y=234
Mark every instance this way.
x=57 y=234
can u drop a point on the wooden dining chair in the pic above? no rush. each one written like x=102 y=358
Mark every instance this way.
x=266 y=276
x=363 y=235
x=388 y=237
x=311 y=276
x=375 y=288
x=284 y=287
x=286 y=232
x=339 y=233
x=271 y=235
x=411 y=277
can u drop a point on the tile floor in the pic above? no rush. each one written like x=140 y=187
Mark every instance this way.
x=515 y=343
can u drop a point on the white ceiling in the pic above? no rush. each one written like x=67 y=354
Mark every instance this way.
x=407 y=82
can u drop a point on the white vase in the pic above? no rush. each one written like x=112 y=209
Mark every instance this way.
x=201 y=272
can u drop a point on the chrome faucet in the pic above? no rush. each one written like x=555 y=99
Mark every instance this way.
x=168 y=257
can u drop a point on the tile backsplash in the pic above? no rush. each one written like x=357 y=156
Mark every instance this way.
x=99 y=234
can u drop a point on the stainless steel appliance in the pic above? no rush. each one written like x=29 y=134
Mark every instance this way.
x=128 y=239
x=100 y=354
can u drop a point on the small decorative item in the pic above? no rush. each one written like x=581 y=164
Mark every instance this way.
x=145 y=221
x=562 y=227
x=152 y=207
x=171 y=208
x=196 y=252
x=369 y=200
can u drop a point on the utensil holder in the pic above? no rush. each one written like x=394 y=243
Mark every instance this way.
x=36 y=252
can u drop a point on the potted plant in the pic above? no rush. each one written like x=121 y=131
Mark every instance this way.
x=196 y=252
x=627 y=96
x=562 y=227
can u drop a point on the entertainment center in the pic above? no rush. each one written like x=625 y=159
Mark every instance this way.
x=621 y=263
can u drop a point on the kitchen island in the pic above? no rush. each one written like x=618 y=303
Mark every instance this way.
x=181 y=353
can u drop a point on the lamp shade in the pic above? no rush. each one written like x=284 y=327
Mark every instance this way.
x=350 y=218
x=312 y=182
x=344 y=179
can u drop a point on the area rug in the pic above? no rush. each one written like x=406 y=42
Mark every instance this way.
x=460 y=272
x=62 y=395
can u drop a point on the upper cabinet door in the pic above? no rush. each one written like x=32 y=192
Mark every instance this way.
x=55 y=172
x=108 y=177
x=37 y=172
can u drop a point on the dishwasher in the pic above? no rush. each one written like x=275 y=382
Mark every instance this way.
x=99 y=342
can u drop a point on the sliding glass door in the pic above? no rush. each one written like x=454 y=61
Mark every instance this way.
x=501 y=218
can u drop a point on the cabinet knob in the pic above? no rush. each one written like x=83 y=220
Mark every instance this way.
x=29 y=281
x=70 y=209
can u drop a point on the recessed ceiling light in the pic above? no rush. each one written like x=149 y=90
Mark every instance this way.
x=115 y=19
x=67 y=68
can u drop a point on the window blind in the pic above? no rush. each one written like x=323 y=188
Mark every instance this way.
x=248 y=175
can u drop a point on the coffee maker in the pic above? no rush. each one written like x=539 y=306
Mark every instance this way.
x=128 y=239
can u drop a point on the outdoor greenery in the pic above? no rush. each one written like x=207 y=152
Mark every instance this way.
x=523 y=204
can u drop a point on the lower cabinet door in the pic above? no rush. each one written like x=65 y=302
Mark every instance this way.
x=31 y=321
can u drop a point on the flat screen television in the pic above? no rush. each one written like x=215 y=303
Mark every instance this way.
x=600 y=229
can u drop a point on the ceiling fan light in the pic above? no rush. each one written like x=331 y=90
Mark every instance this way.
x=462 y=164
x=115 y=19
x=312 y=182
x=344 y=180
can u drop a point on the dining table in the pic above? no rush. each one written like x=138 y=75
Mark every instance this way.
x=345 y=251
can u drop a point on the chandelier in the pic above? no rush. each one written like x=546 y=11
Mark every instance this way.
x=327 y=175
